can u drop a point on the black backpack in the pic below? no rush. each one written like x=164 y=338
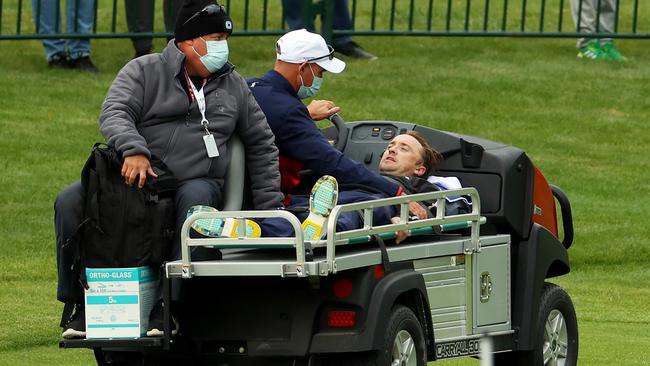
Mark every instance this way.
x=123 y=226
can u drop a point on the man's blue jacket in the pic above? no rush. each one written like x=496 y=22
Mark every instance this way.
x=301 y=143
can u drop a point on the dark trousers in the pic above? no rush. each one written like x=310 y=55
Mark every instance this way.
x=68 y=215
x=342 y=20
x=346 y=221
x=140 y=16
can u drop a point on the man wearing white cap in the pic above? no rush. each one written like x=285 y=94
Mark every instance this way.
x=302 y=59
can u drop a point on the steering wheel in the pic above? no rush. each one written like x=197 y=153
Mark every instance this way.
x=342 y=132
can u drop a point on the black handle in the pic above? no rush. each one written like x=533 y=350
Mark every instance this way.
x=567 y=218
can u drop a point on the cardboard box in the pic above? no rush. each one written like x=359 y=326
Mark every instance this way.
x=119 y=300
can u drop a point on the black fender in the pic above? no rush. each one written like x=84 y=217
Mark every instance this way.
x=381 y=302
x=541 y=256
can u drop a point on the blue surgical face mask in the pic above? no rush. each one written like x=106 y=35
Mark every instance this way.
x=217 y=55
x=305 y=92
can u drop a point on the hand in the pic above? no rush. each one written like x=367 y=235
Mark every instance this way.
x=401 y=235
x=321 y=109
x=136 y=165
x=416 y=209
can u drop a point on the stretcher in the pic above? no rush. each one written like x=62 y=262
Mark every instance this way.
x=320 y=257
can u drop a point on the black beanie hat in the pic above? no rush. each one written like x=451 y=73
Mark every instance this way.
x=201 y=24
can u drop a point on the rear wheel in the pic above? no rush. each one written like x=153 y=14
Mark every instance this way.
x=403 y=344
x=557 y=333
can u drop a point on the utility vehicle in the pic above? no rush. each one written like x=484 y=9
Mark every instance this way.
x=458 y=284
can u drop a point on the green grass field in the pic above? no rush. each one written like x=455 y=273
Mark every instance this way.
x=584 y=124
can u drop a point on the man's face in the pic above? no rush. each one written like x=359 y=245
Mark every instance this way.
x=195 y=48
x=403 y=157
x=200 y=44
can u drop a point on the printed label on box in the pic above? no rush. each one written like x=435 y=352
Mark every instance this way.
x=118 y=301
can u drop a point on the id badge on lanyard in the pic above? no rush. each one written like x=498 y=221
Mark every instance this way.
x=208 y=138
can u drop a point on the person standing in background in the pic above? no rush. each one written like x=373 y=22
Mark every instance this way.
x=140 y=17
x=596 y=16
x=342 y=44
x=73 y=53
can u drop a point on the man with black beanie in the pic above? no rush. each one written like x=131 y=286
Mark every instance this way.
x=181 y=105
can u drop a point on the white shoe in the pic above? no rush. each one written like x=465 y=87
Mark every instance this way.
x=76 y=326
x=156 y=324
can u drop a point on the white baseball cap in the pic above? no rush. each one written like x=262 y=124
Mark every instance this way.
x=301 y=46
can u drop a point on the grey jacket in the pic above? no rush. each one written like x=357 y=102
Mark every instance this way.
x=147 y=111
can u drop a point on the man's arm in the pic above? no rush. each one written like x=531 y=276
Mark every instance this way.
x=120 y=113
x=261 y=153
x=413 y=185
x=454 y=204
x=301 y=140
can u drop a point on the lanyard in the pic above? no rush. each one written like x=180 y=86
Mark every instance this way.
x=200 y=100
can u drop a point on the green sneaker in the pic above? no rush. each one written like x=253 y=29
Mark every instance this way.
x=220 y=228
x=612 y=52
x=322 y=200
x=593 y=51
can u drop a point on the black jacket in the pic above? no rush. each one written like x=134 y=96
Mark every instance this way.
x=413 y=185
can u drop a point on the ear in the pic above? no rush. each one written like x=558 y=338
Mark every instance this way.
x=184 y=44
x=420 y=171
x=193 y=41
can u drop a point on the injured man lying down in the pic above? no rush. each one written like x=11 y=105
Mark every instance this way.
x=408 y=160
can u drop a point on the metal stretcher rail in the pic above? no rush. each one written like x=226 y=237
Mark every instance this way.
x=298 y=266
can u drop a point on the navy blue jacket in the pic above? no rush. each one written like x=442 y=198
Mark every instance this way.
x=299 y=139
